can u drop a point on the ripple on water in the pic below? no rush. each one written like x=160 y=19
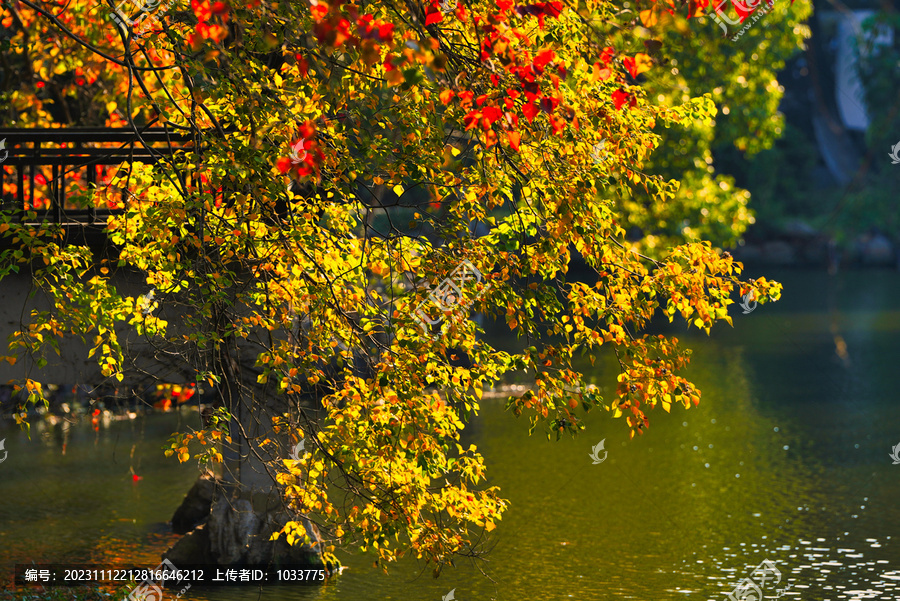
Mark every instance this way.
x=813 y=573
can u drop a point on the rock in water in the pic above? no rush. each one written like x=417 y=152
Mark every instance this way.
x=195 y=508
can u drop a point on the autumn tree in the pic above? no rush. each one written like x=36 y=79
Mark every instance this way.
x=706 y=56
x=361 y=179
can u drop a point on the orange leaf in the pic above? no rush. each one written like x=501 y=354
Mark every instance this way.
x=514 y=138
x=600 y=74
x=648 y=18
x=202 y=10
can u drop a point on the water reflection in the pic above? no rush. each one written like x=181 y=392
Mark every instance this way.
x=786 y=459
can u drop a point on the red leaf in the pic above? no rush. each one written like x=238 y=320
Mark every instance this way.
x=549 y=104
x=607 y=55
x=446 y=96
x=435 y=17
x=553 y=9
x=530 y=110
x=542 y=59
x=504 y=5
x=491 y=114
x=619 y=98
x=284 y=164
x=386 y=32
x=308 y=130
x=742 y=10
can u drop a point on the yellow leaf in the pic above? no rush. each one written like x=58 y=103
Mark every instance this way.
x=642 y=62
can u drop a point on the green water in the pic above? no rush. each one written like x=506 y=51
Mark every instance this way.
x=785 y=459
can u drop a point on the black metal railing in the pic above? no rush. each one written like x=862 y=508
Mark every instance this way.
x=51 y=160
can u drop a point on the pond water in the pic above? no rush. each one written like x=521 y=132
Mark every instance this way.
x=786 y=459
